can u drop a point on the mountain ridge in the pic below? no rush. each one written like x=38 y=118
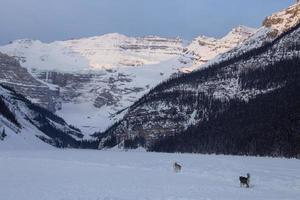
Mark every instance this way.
x=100 y=88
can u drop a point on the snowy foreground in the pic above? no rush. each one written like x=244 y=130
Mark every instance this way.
x=106 y=175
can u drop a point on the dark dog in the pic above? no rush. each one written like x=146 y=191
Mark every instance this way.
x=245 y=181
x=176 y=167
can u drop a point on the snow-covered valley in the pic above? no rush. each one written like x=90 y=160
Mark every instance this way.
x=113 y=175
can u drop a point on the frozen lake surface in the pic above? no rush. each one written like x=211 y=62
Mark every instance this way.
x=109 y=175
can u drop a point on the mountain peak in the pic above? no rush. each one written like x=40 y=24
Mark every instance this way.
x=243 y=29
x=25 y=41
x=238 y=33
x=282 y=21
x=114 y=36
x=205 y=48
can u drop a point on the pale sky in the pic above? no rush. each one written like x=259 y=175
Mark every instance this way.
x=50 y=20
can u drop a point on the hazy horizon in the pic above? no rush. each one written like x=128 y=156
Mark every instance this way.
x=64 y=19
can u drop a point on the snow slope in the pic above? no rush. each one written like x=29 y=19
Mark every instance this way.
x=106 y=175
x=24 y=137
x=27 y=126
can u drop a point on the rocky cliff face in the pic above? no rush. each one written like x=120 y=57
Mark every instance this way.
x=189 y=100
x=17 y=77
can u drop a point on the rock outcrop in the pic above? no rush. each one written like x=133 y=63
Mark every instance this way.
x=282 y=21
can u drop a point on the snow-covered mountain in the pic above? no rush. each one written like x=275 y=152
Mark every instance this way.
x=228 y=105
x=99 y=77
x=24 y=125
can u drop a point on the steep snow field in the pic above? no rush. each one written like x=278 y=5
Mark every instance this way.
x=107 y=175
